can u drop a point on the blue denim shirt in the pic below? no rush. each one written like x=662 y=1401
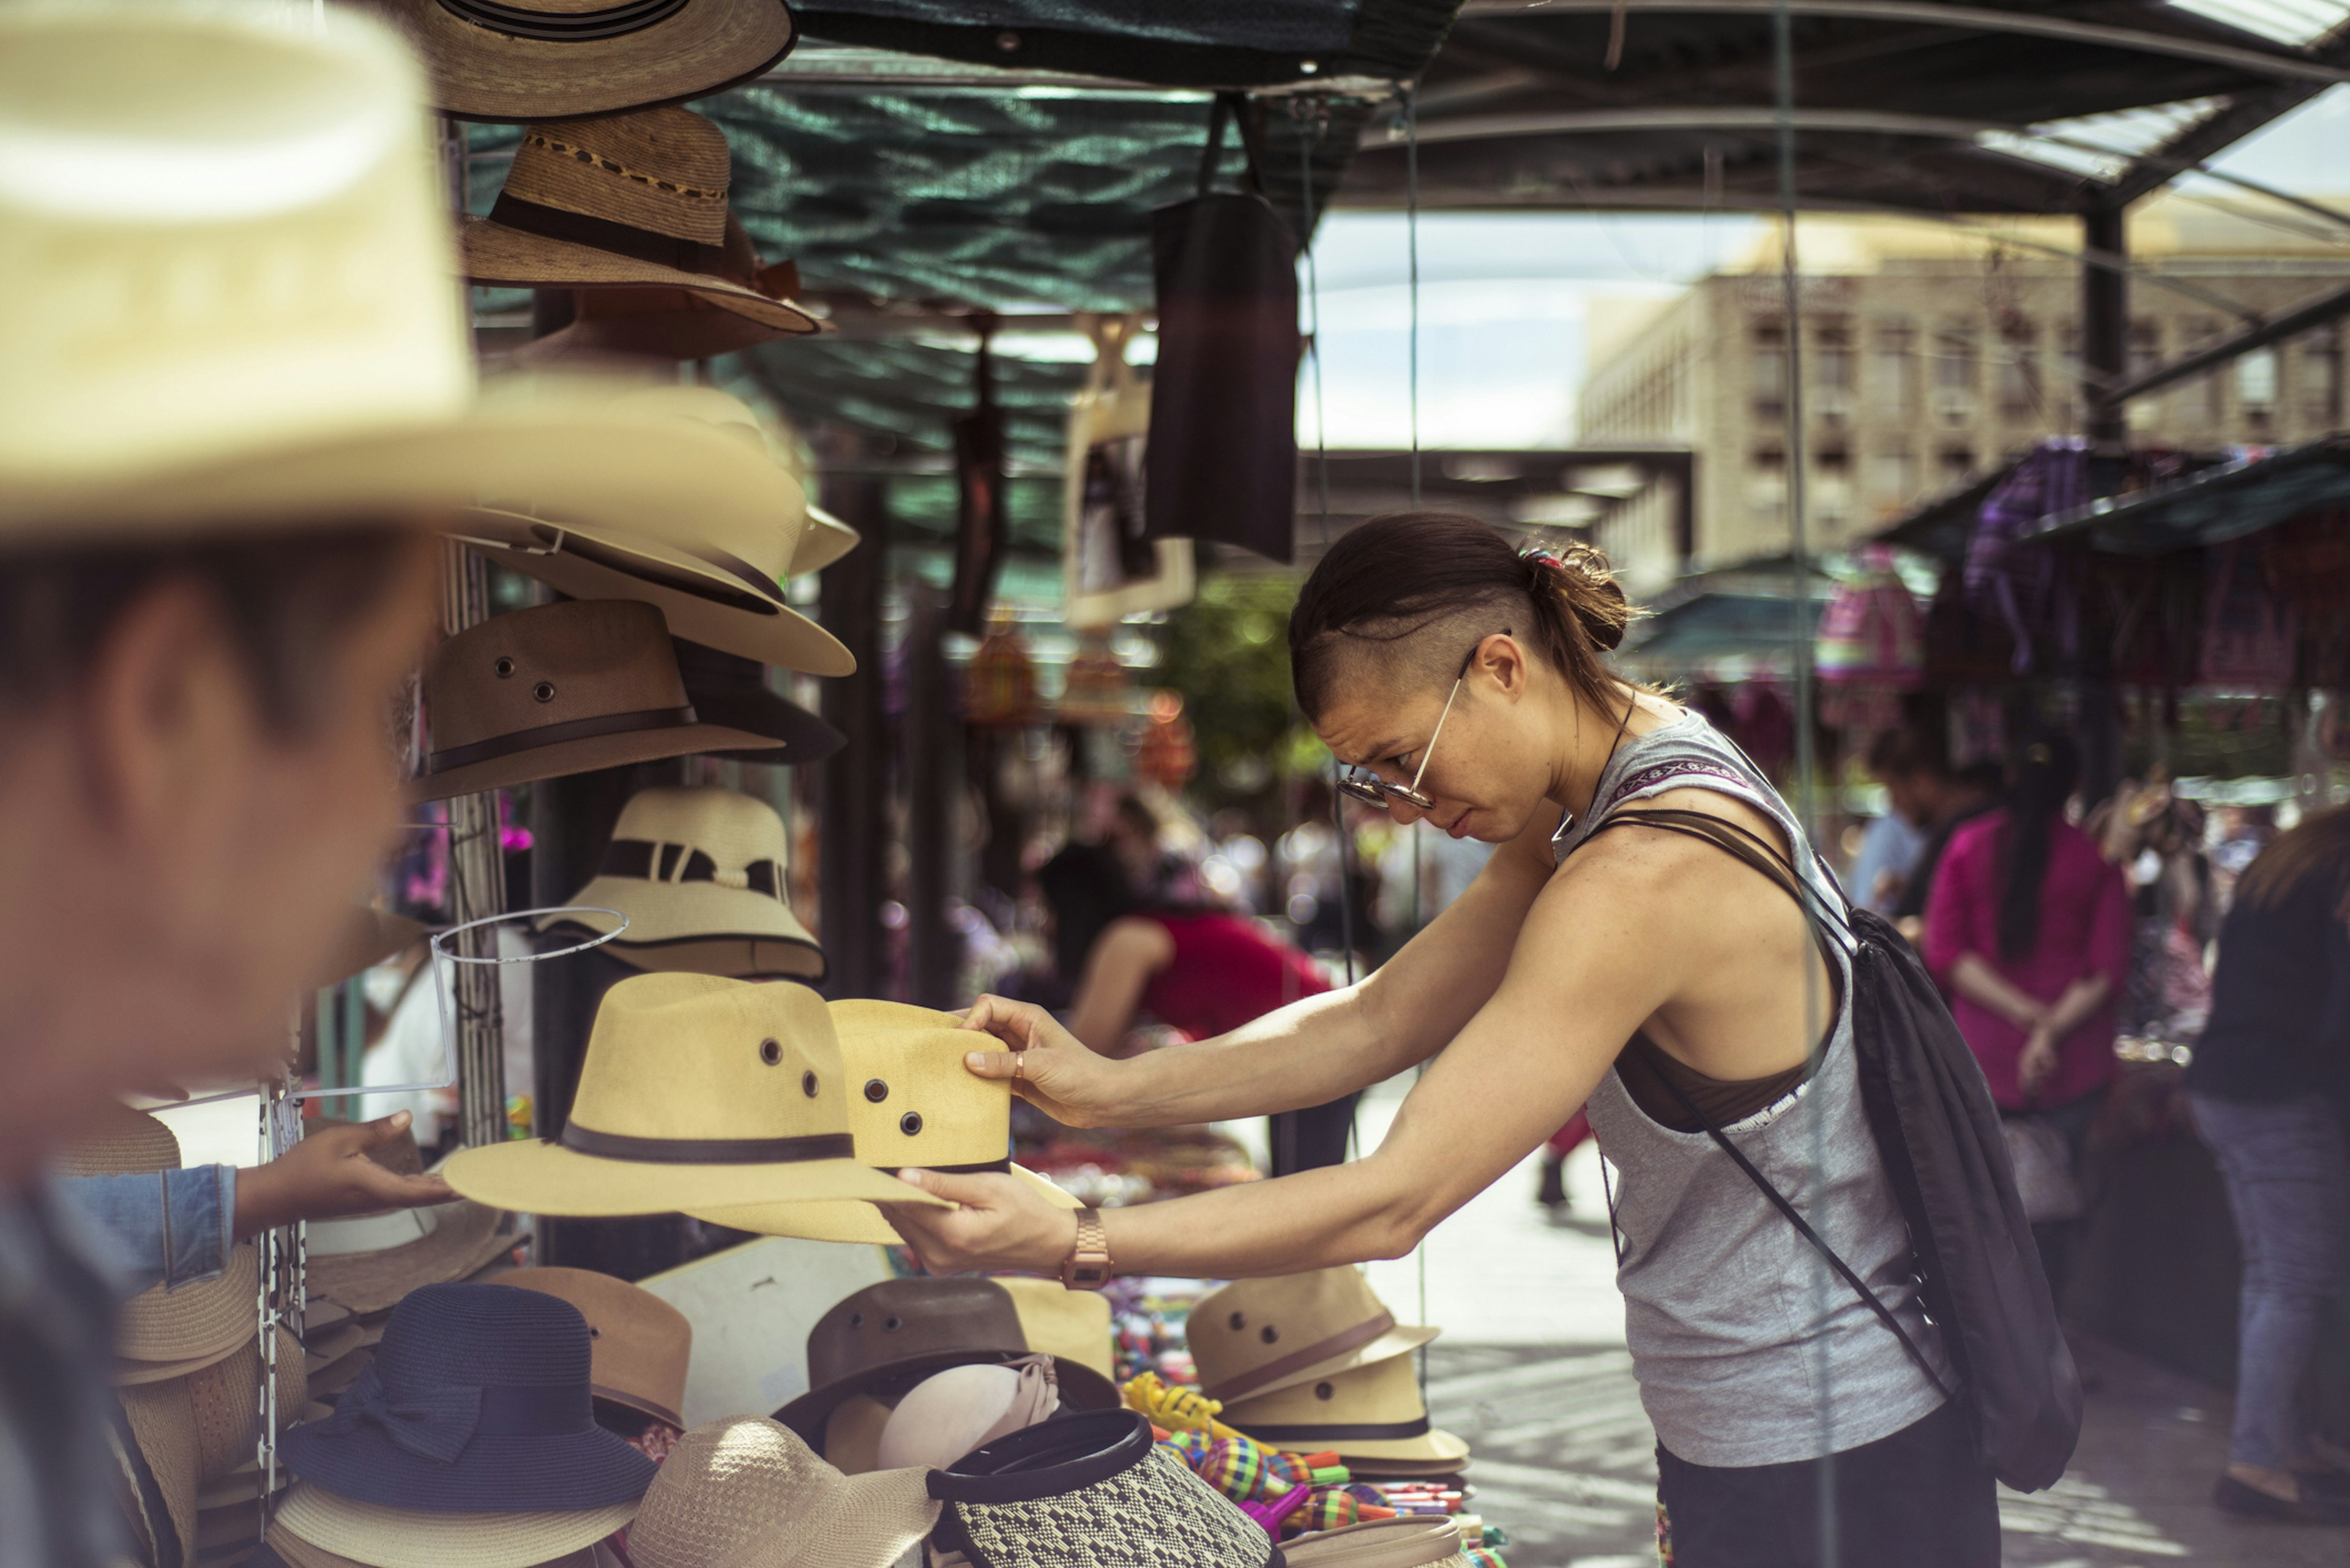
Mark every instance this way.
x=69 y=1253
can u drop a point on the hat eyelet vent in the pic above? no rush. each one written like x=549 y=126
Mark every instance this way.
x=911 y=1123
x=543 y=691
x=771 y=1051
x=595 y=1333
x=504 y=667
x=1325 y=1391
x=1268 y=1334
x=807 y=1085
x=876 y=1090
x=856 y=1320
x=892 y=1325
x=1240 y=1321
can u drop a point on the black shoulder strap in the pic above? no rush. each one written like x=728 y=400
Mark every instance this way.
x=1755 y=852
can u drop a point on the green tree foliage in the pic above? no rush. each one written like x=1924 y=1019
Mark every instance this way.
x=1227 y=652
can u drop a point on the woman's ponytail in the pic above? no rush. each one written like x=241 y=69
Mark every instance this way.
x=1576 y=596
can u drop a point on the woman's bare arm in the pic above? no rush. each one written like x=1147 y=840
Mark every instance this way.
x=1972 y=977
x=1125 y=958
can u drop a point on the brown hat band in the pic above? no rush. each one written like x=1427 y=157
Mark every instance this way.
x=1257 y=1377
x=709 y=1150
x=551 y=734
x=515 y=212
x=1365 y=1432
x=655 y=862
x=652 y=1407
x=558 y=27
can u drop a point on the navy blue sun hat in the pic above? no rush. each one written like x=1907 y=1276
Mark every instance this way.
x=478 y=1401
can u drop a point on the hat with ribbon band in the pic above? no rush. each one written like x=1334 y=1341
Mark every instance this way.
x=1254 y=1336
x=642 y=1345
x=696 y=1092
x=1371 y=1412
x=912 y=1103
x=653 y=321
x=478 y=1400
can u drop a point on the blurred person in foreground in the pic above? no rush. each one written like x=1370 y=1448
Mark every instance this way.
x=2029 y=932
x=2270 y=1086
x=1202 y=969
x=235 y=387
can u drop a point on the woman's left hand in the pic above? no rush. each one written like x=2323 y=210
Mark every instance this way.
x=2039 y=1062
x=999 y=1223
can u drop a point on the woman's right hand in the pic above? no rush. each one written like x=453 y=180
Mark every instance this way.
x=1049 y=1067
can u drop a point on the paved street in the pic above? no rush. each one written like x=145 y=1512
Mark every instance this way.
x=1532 y=1370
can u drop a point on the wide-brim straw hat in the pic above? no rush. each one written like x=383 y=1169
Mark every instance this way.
x=386 y=1537
x=697 y=1092
x=369 y=1262
x=189 y=1430
x=1255 y=1336
x=556 y=690
x=749 y=1490
x=1417 y=1541
x=539 y=59
x=825 y=540
x=914 y=1104
x=1371 y=1412
x=284 y=1549
x=702 y=875
x=642 y=1345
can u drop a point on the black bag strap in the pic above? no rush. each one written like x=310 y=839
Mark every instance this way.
x=1751 y=849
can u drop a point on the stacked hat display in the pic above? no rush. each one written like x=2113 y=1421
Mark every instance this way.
x=642 y=1347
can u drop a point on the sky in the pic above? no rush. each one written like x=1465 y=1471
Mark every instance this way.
x=1504 y=299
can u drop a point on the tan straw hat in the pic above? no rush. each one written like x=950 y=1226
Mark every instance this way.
x=1069 y=1326
x=701 y=875
x=825 y=540
x=750 y=1490
x=912 y=1103
x=1413 y=1541
x=369 y=1262
x=1254 y=1336
x=717 y=579
x=294 y=1552
x=697 y=1092
x=555 y=690
x=658 y=323
x=1371 y=1412
x=530 y=59
x=625 y=199
x=386 y=1537
x=224 y=303
x=642 y=1344
x=191 y=1430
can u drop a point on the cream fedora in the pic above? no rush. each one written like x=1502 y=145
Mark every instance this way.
x=1254 y=1336
x=697 y=1092
x=1371 y=1412
x=911 y=1103
x=530 y=59
x=702 y=876
x=224 y=303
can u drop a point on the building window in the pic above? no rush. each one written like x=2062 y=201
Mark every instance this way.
x=2211 y=388
x=2321 y=379
x=1954 y=359
x=1770 y=372
x=2018 y=375
x=1766 y=481
x=1895 y=477
x=2256 y=387
x=2144 y=348
x=1955 y=464
x=1890 y=391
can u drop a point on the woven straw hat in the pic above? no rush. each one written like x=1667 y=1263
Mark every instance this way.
x=555 y=690
x=194 y=1428
x=225 y=306
x=642 y=1344
x=369 y=1262
x=1374 y=1411
x=626 y=199
x=912 y=1103
x=684 y=1072
x=1254 y=1336
x=661 y=323
x=1071 y=1326
x=701 y=875
x=716 y=578
x=1408 y=1542
x=530 y=59
x=748 y=1490
x=386 y=1537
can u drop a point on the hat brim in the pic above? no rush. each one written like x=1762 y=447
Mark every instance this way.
x=192 y=1326
x=873 y=1519
x=737 y=958
x=1401 y=1340
x=806 y=738
x=730 y=615
x=413 y=1538
x=1082 y=1387
x=1436 y=1443
x=664 y=912
x=477 y=74
x=587 y=1470
x=824 y=540
x=850 y=1221
x=542 y=1177
x=494 y=253
x=677 y=335
x=464 y=1237
x=564 y=758
x=560 y=451
x=163 y=1428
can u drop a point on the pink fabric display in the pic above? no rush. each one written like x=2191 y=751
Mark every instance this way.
x=948 y=1415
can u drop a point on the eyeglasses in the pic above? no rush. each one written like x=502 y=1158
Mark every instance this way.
x=1372 y=790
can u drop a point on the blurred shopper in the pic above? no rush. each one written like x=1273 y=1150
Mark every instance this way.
x=2269 y=1085
x=1205 y=970
x=1914 y=766
x=2158 y=840
x=2029 y=932
x=1891 y=845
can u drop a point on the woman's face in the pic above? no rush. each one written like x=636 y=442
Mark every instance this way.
x=1488 y=774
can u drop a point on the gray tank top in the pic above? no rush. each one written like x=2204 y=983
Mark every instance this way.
x=1748 y=1349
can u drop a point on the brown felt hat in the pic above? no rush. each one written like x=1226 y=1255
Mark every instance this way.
x=1254 y=1336
x=887 y=1337
x=640 y=1344
x=532 y=59
x=555 y=690
x=626 y=200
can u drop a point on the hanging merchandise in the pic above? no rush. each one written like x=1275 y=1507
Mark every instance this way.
x=2026 y=585
x=1096 y=690
x=912 y=1103
x=749 y=1490
x=703 y=876
x=1167 y=756
x=652 y=322
x=715 y=575
x=555 y=690
x=1110 y=567
x=2251 y=630
x=1871 y=646
x=696 y=1092
x=1000 y=681
x=983 y=524
x=727 y=688
x=2309 y=564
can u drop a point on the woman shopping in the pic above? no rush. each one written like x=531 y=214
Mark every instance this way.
x=2270 y=1086
x=2029 y=930
x=1646 y=972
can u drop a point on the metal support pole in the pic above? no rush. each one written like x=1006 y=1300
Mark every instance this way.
x=477 y=889
x=2105 y=329
x=856 y=796
x=931 y=750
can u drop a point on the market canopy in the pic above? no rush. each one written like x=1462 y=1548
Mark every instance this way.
x=2215 y=505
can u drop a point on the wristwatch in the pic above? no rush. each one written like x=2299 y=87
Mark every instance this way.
x=1087 y=1266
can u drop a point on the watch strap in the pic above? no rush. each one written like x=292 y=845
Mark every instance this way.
x=1087 y=1266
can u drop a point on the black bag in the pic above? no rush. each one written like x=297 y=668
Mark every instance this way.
x=1938 y=1135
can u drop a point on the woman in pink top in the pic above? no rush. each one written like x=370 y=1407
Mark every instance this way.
x=2028 y=929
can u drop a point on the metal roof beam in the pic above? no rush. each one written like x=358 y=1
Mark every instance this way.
x=2314 y=311
x=1975 y=18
